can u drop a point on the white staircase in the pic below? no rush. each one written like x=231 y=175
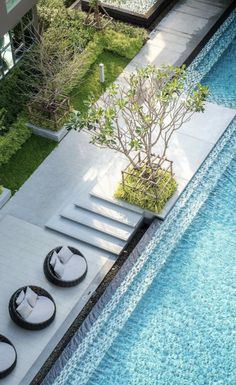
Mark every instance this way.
x=103 y=223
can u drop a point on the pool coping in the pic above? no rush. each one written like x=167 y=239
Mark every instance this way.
x=130 y=259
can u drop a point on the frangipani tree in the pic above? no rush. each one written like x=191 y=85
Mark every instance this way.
x=143 y=113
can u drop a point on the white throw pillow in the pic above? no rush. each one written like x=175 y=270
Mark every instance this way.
x=53 y=259
x=20 y=297
x=31 y=296
x=24 y=309
x=65 y=254
x=59 y=268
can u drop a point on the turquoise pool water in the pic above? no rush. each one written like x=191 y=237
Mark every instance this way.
x=181 y=332
x=222 y=78
x=171 y=319
x=215 y=66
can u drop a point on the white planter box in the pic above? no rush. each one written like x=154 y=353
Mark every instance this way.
x=4 y=197
x=57 y=136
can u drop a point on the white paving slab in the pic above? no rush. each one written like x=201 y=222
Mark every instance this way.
x=22 y=252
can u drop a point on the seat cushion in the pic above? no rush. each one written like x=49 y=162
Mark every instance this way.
x=74 y=268
x=20 y=297
x=7 y=356
x=24 y=309
x=31 y=296
x=42 y=311
x=64 y=254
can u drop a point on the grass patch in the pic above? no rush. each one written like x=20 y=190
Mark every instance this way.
x=25 y=161
x=90 y=84
x=144 y=195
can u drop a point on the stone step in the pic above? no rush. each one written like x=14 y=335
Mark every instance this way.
x=97 y=222
x=98 y=192
x=86 y=234
x=110 y=210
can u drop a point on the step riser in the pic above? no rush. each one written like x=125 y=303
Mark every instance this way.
x=106 y=215
x=124 y=238
x=116 y=202
x=82 y=240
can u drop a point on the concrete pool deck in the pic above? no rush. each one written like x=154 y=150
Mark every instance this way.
x=74 y=170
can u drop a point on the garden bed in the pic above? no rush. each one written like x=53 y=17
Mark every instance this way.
x=24 y=162
x=141 y=13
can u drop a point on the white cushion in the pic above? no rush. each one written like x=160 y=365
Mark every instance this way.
x=64 y=254
x=53 y=259
x=24 y=309
x=42 y=311
x=20 y=297
x=31 y=296
x=7 y=356
x=59 y=268
x=74 y=268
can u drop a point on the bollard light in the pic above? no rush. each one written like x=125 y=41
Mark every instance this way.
x=102 y=72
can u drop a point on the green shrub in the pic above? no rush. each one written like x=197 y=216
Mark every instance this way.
x=12 y=97
x=121 y=44
x=164 y=189
x=11 y=142
x=1 y=190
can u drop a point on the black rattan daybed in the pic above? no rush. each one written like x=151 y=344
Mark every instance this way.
x=77 y=264
x=8 y=356
x=42 y=314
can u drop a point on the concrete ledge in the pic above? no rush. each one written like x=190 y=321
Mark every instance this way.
x=57 y=136
x=4 y=197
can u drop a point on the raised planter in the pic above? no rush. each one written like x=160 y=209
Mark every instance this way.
x=143 y=20
x=4 y=197
x=57 y=136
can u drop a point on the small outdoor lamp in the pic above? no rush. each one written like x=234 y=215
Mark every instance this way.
x=102 y=72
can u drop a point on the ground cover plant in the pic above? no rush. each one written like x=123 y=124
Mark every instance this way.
x=25 y=161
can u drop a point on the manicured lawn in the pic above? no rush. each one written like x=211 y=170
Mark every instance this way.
x=114 y=65
x=24 y=162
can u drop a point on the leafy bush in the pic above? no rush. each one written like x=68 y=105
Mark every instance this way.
x=1 y=190
x=119 y=43
x=13 y=140
x=12 y=99
x=166 y=188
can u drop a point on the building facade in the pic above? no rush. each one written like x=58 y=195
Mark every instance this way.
x=17 y=23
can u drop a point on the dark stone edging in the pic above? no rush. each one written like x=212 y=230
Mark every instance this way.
x=210 y=33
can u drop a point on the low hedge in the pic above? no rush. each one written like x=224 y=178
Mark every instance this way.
x=122 y=44
x=11 y=142
x=132 y=192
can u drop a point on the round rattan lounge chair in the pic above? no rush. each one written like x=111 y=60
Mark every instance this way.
x=52 y=276
x=29 y=324
x=8 y=356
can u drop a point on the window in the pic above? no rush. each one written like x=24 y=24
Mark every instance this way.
x=10 y=4
x=16 y=42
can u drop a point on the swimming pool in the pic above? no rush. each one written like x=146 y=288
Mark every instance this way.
x=171 y=319
x=215 y=66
